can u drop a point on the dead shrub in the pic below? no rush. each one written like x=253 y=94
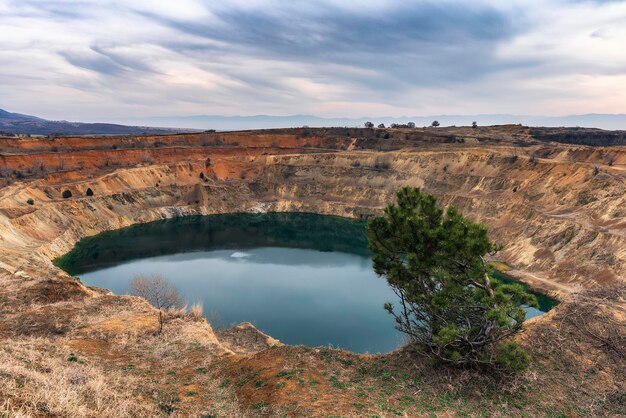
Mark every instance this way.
x=197 y=311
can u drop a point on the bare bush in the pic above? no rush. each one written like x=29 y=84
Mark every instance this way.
x=159 y=292
x=380 y=164
x=590 y=321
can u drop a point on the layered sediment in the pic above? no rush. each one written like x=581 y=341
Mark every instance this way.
x=558 y=209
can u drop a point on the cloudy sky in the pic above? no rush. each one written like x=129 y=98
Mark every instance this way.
x=97 y=60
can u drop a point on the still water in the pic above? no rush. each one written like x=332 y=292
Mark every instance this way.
x=301 y=278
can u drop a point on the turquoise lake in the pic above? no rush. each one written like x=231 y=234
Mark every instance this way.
x=301 y=278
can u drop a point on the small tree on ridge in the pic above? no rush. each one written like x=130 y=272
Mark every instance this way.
x=159 y=292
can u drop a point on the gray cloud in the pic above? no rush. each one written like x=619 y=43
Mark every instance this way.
x=94 y=62
x=51 y=9
x=416 y=43
x=121 y=60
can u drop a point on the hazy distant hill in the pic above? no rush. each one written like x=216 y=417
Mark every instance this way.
x=25 y=124
x=16 y=123
x=603 y=121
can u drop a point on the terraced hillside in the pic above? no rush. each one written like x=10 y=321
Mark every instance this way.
x=559 y=209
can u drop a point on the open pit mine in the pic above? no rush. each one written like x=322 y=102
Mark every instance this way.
x=558 y=206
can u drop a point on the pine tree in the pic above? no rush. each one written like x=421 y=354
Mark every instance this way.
x=434 y=259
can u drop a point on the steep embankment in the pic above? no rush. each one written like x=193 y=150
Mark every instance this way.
x=559 y=210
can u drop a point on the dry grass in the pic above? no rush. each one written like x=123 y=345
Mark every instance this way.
x=123 y=368
x=39 y=378
x=197 y=311
x=580 y=350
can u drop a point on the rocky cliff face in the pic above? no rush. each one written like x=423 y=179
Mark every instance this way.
x=558 y=209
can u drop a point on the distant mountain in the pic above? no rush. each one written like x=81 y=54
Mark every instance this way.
x=24 y=124
x=4 y=115
x=602 y=121
x=16 y=123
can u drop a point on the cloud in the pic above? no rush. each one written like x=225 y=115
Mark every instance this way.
x=403 y=43
x=97 y=59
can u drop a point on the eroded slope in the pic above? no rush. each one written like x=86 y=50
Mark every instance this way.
x=559 y=210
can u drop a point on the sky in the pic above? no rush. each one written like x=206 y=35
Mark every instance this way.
x=99 y=60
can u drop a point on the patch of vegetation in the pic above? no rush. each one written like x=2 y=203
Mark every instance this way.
x=260 y=405
x=30 y=202
x=585 y=197
x=381 y=165
x=337 y=384
x=327 y=355
x=500 y=266
x=288 y=374
x=89 y=192
x=511 y=356
x=167 y=408
x=358 y=405
x=66 y=194
x=346 y=361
